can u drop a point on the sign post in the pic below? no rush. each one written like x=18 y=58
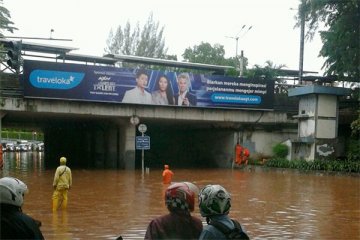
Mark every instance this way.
x=142 y=143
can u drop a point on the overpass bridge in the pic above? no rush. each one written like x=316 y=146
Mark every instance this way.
x=101 y=135
x=96 y=132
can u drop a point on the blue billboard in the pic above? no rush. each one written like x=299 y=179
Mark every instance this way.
x=143 y=86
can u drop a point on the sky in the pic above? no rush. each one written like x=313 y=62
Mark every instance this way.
x=186 y=23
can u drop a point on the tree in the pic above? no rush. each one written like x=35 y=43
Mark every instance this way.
x=269 y=72
x=341 y=41
x=147 y=41
x=205 y=53
x=215 y=55
x=5 y=23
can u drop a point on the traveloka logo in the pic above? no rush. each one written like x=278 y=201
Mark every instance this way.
x=55 y=79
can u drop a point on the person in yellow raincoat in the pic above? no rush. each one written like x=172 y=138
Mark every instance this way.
x=62 y=183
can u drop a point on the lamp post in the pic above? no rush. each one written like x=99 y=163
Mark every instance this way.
x=236 y=37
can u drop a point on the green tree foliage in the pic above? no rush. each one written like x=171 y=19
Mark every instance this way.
x=205 y=53
x=5 y=23
x=147 y=41
x=212 y=54
x=341 y=40
x=269 y=71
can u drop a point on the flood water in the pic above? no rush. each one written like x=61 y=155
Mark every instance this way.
x=270 y=204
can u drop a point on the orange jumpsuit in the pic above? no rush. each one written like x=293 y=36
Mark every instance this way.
x=167 y=175
x=238 y=154
x=246 y=154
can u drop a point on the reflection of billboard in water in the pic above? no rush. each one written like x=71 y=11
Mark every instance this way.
x=139 y=86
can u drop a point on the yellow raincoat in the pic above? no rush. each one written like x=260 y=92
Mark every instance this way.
x=62 y=183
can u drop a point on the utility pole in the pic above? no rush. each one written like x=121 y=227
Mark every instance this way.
x=301 y=13
x=302 y=36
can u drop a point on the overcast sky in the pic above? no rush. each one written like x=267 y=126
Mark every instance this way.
x=187 y=23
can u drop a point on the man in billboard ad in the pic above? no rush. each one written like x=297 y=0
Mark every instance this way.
x=138 y=94
x=184 y=97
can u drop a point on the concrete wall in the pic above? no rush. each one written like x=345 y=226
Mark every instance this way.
x=99 y=135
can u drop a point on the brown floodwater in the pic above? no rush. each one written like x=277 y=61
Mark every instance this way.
x=270 y=203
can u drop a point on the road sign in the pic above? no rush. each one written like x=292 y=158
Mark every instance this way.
x=142 y=142
x=142 y=128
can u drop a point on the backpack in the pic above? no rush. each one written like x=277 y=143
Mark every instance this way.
x=235 y=233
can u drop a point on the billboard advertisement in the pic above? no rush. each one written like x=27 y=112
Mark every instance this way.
x=143 y=86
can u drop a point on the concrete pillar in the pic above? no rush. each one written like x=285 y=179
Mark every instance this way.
x=112 y=148
x=128 y=143
x=99 y=160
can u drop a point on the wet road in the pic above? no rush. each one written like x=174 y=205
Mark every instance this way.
x=271 y=204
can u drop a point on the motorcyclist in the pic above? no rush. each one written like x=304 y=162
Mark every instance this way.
x=215 y=204
x=178 y=223
x=14 y=223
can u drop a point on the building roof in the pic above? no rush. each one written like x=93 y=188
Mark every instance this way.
x=38 y=47
x=87 y=58
x=170 y=63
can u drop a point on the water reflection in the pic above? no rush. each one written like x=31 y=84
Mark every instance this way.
x=271 y=204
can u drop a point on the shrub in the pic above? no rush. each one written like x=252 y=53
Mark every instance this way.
x=280 y=150
x=316 y=165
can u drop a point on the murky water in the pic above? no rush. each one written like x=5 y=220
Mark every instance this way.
x=271 y=204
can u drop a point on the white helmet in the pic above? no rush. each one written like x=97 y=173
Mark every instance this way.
x=214 y=200
x=12 y=191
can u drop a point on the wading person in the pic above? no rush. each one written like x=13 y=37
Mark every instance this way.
x=14 y=223
x=167 y=175
x=178 y=223
x=214 y=204
x=62 y=183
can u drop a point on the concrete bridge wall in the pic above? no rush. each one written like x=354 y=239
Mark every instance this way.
x=99 y=135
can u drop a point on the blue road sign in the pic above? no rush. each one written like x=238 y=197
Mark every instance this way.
x=142 y=142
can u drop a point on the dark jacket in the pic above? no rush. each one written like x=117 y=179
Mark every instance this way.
x=191 y=97
x=175 y=225
x=17 y=225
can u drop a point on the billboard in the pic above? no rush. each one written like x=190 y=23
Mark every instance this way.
x=143 y=86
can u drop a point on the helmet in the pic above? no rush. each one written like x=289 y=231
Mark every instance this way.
x=12 y=191
x=63 y=160
x=214 y=200
x=166 y=166
x=180 y=196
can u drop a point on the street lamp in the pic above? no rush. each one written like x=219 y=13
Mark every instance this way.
x=236 y=37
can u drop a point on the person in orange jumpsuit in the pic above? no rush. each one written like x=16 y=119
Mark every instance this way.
x=245 y=156
x=238 y=153
x=167 y=175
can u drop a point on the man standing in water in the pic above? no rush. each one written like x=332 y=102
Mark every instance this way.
x=62 y=183
x=167 y=175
